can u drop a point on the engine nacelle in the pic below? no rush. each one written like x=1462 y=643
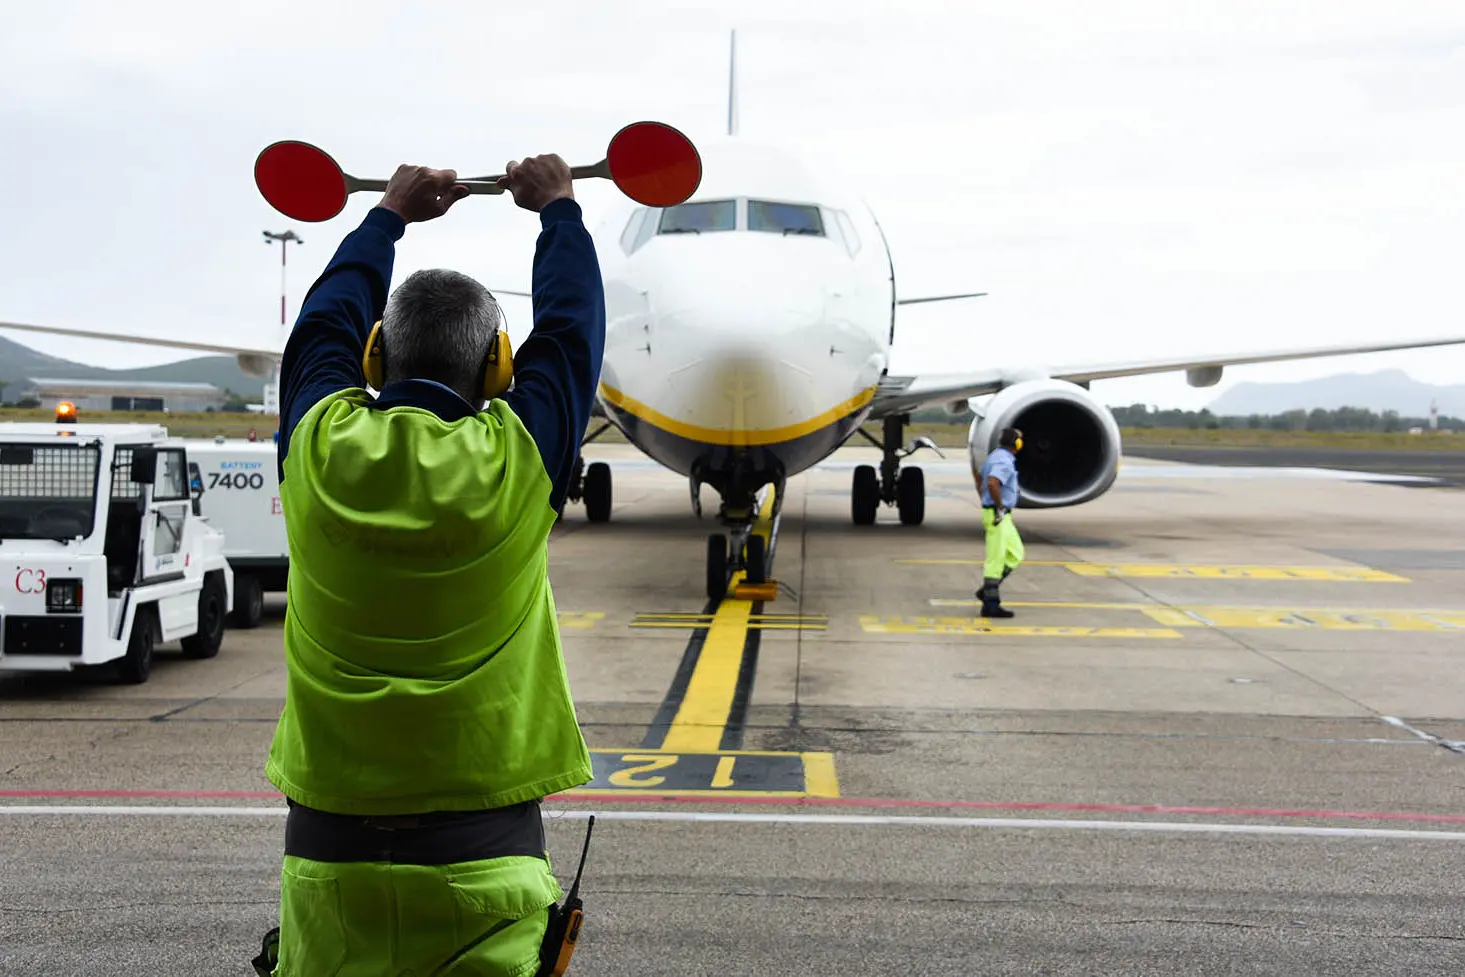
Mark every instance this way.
x=1070 y=442
x=256 y=365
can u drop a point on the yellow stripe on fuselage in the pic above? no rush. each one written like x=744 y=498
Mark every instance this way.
x=739 y=437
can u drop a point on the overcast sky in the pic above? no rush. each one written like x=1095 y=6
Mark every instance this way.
x=1126 y=178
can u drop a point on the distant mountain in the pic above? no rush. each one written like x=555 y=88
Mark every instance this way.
x=20 y=363
x=1378 y=392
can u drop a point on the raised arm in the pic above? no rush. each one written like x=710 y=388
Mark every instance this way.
x=323 y=354
x=557 y=365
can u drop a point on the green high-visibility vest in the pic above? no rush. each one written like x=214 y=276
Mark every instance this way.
x=425 y=671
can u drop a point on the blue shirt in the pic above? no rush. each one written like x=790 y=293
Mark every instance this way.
x=1001 y=465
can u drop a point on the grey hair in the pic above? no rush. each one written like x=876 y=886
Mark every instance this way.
x=437 y=326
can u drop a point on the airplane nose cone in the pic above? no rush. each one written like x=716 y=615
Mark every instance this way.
x=739 y=339
x=748 y=294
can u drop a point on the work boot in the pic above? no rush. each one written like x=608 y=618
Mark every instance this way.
x=269 y=954
x=992 y=601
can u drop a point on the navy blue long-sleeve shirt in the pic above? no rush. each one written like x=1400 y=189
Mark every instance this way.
x=556 y=367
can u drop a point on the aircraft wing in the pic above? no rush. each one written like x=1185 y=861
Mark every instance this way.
x=897 y=395
x=269 y=354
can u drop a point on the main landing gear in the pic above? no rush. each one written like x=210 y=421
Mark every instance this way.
x=903 y=488
x=591 y=484
x=740 y=548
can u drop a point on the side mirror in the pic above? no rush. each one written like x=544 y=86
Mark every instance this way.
x=195 y=487
x=144 y=466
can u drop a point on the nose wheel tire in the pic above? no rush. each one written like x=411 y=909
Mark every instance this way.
x=716 y=566
x=865 y=495
x=755 y=570
x=597 y=492
x=910 y=496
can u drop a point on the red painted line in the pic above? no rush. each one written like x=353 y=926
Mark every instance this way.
x=845 y=802
x=877 y=802
x=244 y=795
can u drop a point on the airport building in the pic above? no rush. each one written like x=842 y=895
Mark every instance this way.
x=122 y=395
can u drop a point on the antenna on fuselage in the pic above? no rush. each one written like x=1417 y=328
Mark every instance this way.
x=732 y=85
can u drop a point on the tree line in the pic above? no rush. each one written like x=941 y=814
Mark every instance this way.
x=1318 y=419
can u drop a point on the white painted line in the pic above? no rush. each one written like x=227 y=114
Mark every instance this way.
x=842 y=820
x=1455 y=746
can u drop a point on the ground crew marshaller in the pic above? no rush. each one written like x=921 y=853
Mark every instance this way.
x=999 y=491
x=427 y=710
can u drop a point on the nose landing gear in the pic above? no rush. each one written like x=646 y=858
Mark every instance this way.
x=748 y=545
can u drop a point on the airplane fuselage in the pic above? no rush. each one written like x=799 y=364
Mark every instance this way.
x=747 y=329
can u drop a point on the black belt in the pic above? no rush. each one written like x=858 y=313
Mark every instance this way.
x=438 y=838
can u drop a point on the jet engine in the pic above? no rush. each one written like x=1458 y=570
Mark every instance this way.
x=1070 y=442
x=255 y=365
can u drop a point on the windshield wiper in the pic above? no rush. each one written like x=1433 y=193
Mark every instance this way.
x=680 y=230
x=798 y=230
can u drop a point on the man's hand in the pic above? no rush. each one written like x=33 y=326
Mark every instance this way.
x=416 y=193
x=538 y=181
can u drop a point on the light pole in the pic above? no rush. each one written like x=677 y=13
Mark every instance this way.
x=284 y=240
x=272 y=386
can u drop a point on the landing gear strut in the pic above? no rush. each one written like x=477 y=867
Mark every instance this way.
x=740 y=548
x=592 y=484
x=903 y=488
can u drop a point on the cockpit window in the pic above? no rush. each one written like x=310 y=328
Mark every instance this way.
x=784 y=218
x=704 y=215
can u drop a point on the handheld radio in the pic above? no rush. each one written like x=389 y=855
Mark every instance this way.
x=563 y=931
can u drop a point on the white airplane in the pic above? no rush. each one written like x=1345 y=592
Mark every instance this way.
x=749 y=332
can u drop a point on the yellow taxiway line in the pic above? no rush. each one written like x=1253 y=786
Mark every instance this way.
x=1199 y=571
x=706 y=705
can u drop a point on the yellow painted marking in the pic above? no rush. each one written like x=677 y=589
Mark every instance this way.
x=954 y=562
x=762 y=526
x=739 y=435
x=723 y=777
x=757 y=622
x=728 y=773
x=580 y=620
x=873 y=624
x=707 y=618
x=1091 y=605
x=640 y=775
x=819 y=776
x=1199 y=571
x=1207 y=572
x=698 y=724
x=1238 y=616
x=1331 y=620
x=755 y=626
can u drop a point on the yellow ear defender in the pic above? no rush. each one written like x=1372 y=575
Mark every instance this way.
x=498 y=368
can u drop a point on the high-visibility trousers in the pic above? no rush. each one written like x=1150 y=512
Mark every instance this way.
x=369 y=919
x=1004 y=545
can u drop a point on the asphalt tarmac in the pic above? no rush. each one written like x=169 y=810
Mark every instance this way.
x=1224 y=735
x=1448 y=467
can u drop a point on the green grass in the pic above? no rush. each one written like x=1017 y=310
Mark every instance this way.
x=203 y=425
x=199 y=425
x=1337 y=440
